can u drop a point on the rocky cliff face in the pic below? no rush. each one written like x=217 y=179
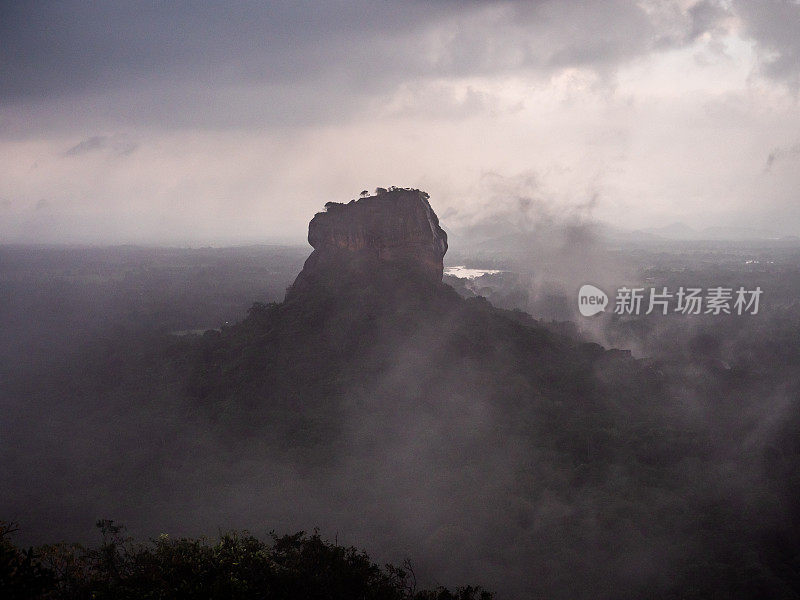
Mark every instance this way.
x=396 y=228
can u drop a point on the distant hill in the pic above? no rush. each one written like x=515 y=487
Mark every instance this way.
x=681 y=231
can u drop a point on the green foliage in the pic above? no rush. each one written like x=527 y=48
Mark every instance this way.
x=235 y=566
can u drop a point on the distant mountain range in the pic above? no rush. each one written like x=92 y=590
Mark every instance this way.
x=500 y=234
x=681 y=231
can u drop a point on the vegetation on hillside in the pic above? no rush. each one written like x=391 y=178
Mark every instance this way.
x=236 y=566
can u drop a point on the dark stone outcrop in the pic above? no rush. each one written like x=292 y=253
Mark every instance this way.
x=396 y=229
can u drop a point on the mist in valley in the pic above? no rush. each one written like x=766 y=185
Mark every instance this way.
x=415 y=458
x=207 y=326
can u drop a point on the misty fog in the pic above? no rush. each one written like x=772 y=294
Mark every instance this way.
x=214 y=317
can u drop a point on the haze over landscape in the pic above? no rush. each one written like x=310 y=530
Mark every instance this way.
x=504 y=294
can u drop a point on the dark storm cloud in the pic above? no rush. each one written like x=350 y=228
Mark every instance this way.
x=65 y=48
x=184 y=64
x=187 y=64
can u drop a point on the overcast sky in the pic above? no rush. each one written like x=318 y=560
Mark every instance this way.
x=125 y=122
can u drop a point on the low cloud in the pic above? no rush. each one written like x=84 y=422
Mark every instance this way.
x=118 y=145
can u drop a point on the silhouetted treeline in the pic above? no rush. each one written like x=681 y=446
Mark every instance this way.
x=237 y=566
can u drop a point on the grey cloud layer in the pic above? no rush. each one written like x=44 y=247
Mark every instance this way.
x=194 y=121
x=184 y=64
x=775 y=25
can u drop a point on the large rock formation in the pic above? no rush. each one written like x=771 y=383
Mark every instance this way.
x=395 y=228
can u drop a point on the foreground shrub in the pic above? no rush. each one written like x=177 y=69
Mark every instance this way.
x=236 y=566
